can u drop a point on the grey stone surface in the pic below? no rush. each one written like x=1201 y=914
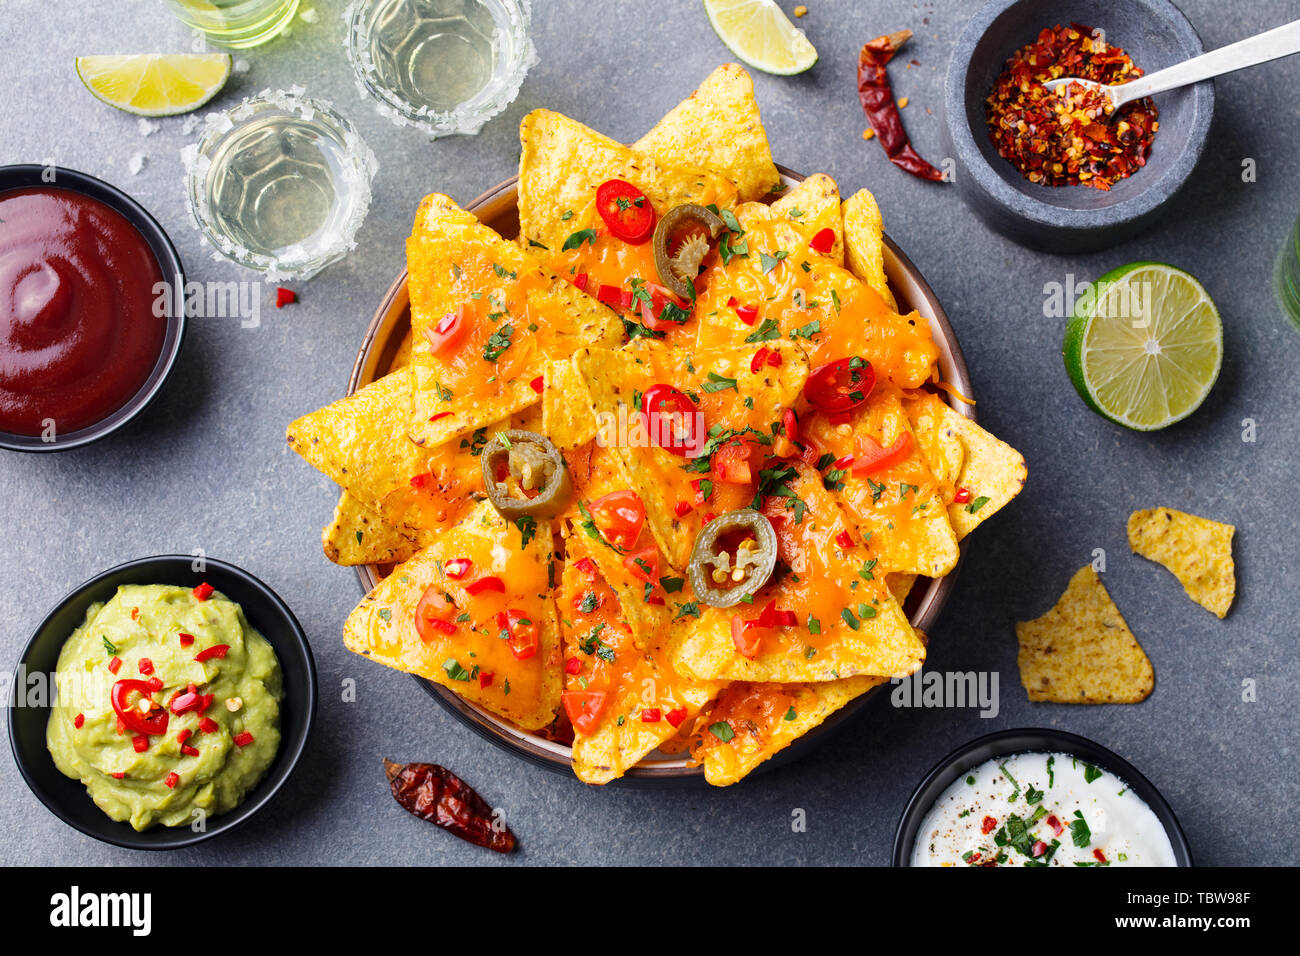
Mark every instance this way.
x=209 y=467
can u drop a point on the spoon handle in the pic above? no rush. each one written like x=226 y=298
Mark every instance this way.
x=1279 y=42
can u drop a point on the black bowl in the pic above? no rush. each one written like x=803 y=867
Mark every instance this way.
x=1029 y=740
x=169 y=263
x=1156 y=34
x=67 y=798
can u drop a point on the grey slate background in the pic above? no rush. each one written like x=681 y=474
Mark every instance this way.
x=209 y=467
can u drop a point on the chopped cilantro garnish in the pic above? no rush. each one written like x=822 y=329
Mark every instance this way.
x=576 y=239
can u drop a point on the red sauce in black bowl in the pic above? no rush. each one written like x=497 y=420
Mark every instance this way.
x=80 y=323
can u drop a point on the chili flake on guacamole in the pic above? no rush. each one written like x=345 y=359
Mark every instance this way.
x=168 y=705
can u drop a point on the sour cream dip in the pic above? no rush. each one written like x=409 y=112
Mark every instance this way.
x=1041 y=809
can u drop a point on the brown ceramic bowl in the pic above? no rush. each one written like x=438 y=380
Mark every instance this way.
x=498 y=208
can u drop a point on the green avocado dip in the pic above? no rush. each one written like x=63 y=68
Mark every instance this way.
x=168 y=705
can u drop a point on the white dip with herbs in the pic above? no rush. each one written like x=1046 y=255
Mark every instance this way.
x=1040 y=809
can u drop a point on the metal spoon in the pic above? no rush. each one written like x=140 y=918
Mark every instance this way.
x=1280 y=42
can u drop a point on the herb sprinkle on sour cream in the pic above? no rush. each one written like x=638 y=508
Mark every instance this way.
x=1040 y=809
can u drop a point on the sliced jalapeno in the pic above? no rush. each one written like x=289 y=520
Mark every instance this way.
x=535 y=465
x=681 y=242
x=733 y=557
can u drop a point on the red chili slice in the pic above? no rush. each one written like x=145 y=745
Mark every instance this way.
x=284 y=297
x=485 y=678
x=458 y=567
x=676 y=716
x=449 y=333
x=962 y=496
x=759 y=359
x=651 y=715
x=619 y=516
x=203 y=591
x=652 y=311
x=844 y=539
x=573 y=666
x=615 y=296
x=840 y=386
x=538 y=384
x=184 y=702
x=79 y=721
x=115 y=665
x=486 y=584
x=140 y=744
x=130 y=716
x=580 y=281
x=746 y=313
x=626 y=211
x=586 y=565
x=208 y=726
x=243 y=739
x=871 y=458
x=823 y=242
x=790 y=424
x=682 y=509
x=426 y=614
x=673 y=421
x=584 y=708
x=208 y=653
x=145 y=666
x=186 y=639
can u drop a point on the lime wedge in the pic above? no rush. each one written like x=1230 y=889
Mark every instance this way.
x=1145 y=348
x=761 y=35
x=155 y=84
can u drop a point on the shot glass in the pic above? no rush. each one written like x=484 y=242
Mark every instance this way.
x=443 y=66
x=280 y=184
x=238 y=24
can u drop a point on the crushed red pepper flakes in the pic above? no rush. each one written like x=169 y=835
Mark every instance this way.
x=1074 y=136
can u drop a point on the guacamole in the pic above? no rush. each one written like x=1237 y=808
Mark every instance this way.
x=168 y=705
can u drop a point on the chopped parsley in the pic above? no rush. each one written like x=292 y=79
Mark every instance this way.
x=576 y=239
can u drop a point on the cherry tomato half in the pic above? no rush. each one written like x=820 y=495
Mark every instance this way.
x=584 y=708
x=522 y=632
x=841 y=385
x=673 y=421
x=626 y=211
x=427 y=619
x=619 y=516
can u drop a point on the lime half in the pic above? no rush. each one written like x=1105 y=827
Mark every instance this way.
x=759 y=33
x=1144 y=349
x=155 y=84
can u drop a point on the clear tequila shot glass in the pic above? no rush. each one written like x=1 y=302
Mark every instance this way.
x=238 y=24
x=442 y=66
x=280 y=184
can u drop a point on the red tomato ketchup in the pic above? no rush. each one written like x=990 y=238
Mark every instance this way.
x=78 y=333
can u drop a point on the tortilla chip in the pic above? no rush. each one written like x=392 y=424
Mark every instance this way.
x=860 y=628
x=457 y=264
x=864 y=243
x=900 y=586
x=901 y=508
x=1082 y=651
x=990 y=470
x=643 y=690
x=814 y=205
x=1197 y=551
x=566 y=407
x=402 y=357
x=360 y=440
x=761 y=720
x=615 y=380
x=360 y=535
x=473 y=661
x=562 y=163
x=718 y=127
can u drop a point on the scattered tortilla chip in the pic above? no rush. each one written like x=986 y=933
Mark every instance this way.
x=562 y=163
x=723 y=381
x=848 y=622
x=360 y=442
x=990 y=471
x=718 y=127
x=644 y=700
x=901 y=507
x=472 y=660
x=519 y=320
x=864 y=243
x=1197 y=551
x=360 y=535
x=760 y=720
x=566 y=407
x=814 y=205
x=1082 y=651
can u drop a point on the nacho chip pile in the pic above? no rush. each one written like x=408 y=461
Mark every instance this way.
x=803 y=400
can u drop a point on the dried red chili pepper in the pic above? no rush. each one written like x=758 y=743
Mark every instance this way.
x=435 y=794
x=877 y=96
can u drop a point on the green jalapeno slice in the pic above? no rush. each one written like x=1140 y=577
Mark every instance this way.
x=733 y=557
x=535 y=464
